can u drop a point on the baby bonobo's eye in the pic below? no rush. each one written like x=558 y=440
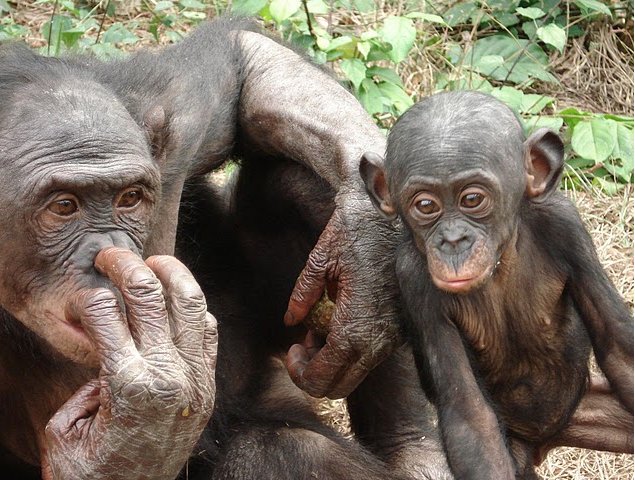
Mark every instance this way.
x=474 y=201
x=426 y=207
x=130 y=198
x=64 y=207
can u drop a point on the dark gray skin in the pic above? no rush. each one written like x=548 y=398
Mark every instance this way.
x=94 y=156
x=503 y=289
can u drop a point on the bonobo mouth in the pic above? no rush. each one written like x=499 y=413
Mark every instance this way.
x=461 y=285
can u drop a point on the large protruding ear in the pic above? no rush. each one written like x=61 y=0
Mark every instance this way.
x=156 y=128
x=544 y=161
x=371 y=169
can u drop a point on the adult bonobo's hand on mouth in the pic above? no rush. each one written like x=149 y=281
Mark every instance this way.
x=155 y=391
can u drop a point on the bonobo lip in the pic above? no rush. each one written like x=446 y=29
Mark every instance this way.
x=461 y=284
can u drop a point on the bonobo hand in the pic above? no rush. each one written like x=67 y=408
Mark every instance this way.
x=155 y=392
x=356 y=252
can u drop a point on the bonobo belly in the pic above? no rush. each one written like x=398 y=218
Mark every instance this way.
x=535 y=407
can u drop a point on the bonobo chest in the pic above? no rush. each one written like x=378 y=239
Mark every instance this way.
x=527 y=343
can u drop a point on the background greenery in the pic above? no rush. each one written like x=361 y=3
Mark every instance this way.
x=508 y=48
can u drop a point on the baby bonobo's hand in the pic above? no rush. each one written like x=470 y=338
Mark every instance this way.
x=155 y=392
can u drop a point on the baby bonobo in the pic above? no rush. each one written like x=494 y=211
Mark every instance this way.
x=503 y=290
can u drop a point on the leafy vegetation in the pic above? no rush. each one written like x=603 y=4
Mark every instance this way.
x=502 y=47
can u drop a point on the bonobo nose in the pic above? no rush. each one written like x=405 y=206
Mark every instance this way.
x=93 y=243
x=455 y=241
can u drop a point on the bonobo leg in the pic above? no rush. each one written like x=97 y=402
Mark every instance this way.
x=600 y=422
x=284 y=440
x=392 y=417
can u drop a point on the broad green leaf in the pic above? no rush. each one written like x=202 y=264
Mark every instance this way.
x=193 y=4
x=595 y=139
x=593 y=6
x=322 y=43
x=533 y=103
x=505 y=19
x=531 y=12
x=572 y=116
x=317 y=7
x=398 y=98
x=428 y=17
x=338 y=43
x=580 y=163
x=248 y=7
x=117 y=33
x=385 y=74
x=164 y=5
x=628 y=121
x=460 y=13
x=369 y=35
x=363 y=48
x=363 y=6
x=607 y=186
x=553 y=35
x=624 y=147
x=535 y=122
x=510 y=96
x=355 y=70
x=401 y=34
x=370 y=97
x=280 y=10
x=522 y=60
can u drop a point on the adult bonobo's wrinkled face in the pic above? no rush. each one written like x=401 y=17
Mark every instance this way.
x=457 y=168
x=76 y=176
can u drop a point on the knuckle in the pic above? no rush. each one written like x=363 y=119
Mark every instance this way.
x=98 y=302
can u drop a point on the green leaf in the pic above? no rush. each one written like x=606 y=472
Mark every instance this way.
x=533 y=103
x=164 y=5
x=595 y=139
x=580 y=163
x=117 y=33
x=248 y=7
x=531 y=12
x=460 y=13
x=510 y=96
x=522 y=60
x=572 y=116
x=370 y=97
x=363 y=48
x=317 y=7
x=607 y=186
x=193 y=4
x=397 y=97
x=593 y=6
x=401 y=34
x=338 y=43
x=428 y=17
x=364 y=6
x=553 y=35
x=280 y=10
x=385 y=74
x=624 y=146
x=355 y=70
x=535 y=122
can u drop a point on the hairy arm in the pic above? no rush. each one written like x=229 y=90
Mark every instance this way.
x=290 y=108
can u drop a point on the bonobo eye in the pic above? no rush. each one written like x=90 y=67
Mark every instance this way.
x=64 y=207
x=426 y=207
x=130 y=198
x=474 y=200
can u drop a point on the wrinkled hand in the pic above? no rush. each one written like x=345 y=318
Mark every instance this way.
x=155 y=392
x=356 y=253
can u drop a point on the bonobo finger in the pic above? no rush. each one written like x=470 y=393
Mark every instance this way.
x=97 y=311
x=73 y=420
x=210 y=343
x=142 y=293
x=308 y=287
x=322 y=374
x=186 y=304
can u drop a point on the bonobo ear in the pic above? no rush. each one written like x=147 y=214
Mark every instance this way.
x=371 y=168
x=156 y=128
x=544 y=161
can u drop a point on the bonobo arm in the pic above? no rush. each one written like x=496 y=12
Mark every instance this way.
x=142 y=416
x=290 y=108
x=473 y=441
x=605 y=315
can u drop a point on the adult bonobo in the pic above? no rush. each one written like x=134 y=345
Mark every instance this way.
x=503 y=289
x=95 y=155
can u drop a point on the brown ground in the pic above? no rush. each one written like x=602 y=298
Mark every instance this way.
x=596 y=74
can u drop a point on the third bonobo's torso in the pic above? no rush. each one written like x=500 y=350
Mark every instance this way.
x=527 y=341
